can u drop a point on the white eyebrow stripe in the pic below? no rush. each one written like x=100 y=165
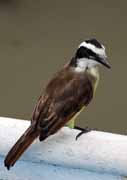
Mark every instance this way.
x=100 y=51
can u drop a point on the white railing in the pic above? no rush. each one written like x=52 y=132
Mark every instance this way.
x=94 y=156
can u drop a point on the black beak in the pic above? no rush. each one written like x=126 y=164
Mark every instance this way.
x=103 y=61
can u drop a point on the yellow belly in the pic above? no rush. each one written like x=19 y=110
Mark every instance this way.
x=71 y=123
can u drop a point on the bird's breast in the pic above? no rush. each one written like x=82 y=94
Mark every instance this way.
x=93 y=74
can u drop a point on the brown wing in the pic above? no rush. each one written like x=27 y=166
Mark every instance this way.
x=65 y=95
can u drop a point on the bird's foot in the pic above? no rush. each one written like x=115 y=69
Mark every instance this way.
x=83 y=131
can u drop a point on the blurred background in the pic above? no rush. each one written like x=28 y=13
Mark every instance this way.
x=38 y=37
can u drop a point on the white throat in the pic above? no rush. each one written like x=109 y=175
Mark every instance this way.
x=84 y=63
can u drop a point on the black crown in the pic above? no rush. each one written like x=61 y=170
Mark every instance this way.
x=94 y=42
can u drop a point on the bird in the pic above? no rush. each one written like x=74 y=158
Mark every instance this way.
x=68 y=92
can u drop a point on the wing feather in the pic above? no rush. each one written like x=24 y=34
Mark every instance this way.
x=64 y=96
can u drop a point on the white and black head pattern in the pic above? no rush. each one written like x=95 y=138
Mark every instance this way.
x=90 y=53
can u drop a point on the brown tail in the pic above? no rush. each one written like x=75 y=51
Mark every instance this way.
x=21 y=145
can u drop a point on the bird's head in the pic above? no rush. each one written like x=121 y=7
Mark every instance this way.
x=91 y=53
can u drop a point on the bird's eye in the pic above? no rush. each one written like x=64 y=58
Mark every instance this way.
x=90 y=53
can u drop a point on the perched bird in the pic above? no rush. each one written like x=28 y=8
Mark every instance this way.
x=67 y=93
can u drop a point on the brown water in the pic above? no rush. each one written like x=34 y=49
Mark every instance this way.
x=38 y=37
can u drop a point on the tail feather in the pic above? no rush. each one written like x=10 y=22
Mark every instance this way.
x=21 y=145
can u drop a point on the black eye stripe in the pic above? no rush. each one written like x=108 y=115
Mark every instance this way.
x=91 y=53
x=84 y=52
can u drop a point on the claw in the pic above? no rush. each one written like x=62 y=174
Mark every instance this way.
x=83 y=131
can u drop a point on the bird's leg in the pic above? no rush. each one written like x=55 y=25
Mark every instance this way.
x=83 y=131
